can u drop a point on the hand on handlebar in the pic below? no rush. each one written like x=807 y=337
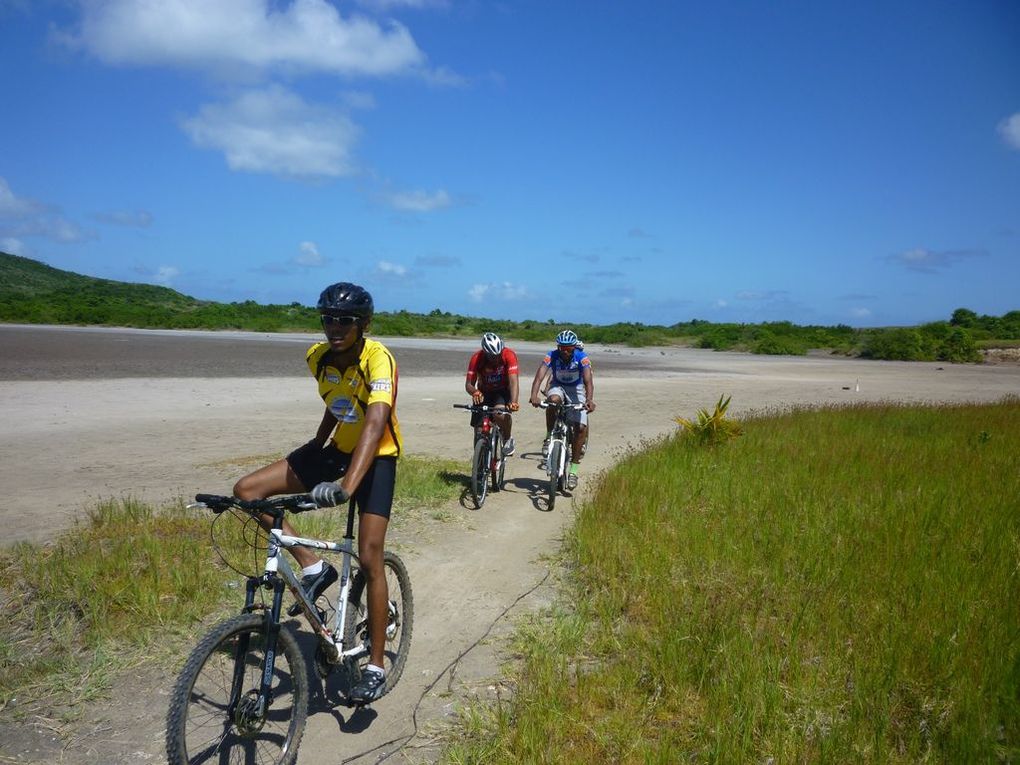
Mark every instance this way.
x=477 y=397
x=329 y=494
x=514 y=406
x=589 y=406
x=535 y=400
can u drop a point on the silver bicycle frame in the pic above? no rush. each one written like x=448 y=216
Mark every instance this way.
x=276 y=563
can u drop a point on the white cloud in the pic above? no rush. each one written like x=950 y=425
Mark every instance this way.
x=308 y=35
x=166 y=274
x=310 y=256
x=20 y=216
x=418 y=201
x=358 y=99
x=12 y=207
x=13 y=246
x=1009 y=129
x=391 y=269
x=384 y=6
x=498 y=291
x=929 y=261
x=860 y=313
x=273 y=130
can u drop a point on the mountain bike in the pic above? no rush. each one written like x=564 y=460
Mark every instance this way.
x=243 y=693
x=561 y=439
x=487 y=461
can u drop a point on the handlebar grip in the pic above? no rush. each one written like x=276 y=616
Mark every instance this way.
x=215 y=502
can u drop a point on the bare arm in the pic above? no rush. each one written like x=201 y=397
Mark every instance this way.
x=365 y=450
x=589 y=389
x=536 y=384
x=326 y=427
x=515 y=386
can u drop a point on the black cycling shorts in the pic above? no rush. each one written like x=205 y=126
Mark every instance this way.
x=500 y=397
x=313 y=465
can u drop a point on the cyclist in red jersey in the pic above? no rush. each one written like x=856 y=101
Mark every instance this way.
x=492 y=379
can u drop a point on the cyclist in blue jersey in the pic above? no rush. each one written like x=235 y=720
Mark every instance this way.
x=570 y=381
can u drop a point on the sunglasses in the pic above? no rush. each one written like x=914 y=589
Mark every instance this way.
x=328 y=320
x=566 y=348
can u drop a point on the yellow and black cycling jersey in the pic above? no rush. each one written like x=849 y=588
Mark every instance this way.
x=349 y=392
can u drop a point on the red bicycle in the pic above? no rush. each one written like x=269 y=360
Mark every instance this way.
x=487 y=461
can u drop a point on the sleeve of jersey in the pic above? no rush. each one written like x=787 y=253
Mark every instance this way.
x=313 y=356
x=382 y=373
x=473 y=365
x=547 y=360
x=510 y=358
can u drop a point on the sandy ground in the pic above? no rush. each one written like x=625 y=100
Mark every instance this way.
x=67 y=442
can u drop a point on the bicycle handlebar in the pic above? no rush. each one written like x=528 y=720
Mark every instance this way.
x=550 y=405
x=481 y=408
x=276 y=506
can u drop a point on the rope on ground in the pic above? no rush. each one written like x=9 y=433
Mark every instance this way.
x=405 y=740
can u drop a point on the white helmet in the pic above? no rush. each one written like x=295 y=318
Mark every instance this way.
x=492 y=344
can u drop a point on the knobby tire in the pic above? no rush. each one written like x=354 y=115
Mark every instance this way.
x=200 y=727
x=399 y=627
x=497 y=460
x=480 y=471
x=555 y=469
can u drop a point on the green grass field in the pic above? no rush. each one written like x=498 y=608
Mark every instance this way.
x=837 y=585
x=131 y=579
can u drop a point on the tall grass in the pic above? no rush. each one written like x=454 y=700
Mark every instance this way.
x=839 y=585
x=130 y=573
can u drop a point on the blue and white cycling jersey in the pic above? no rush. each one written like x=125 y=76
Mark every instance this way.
x=570 y=373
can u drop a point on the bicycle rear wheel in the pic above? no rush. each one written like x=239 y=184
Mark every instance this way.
x=480 y=471
x=398 y=628
x=213 y=715
x=554 y=465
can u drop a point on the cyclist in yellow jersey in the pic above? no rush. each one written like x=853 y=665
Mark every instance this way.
x=353 y=453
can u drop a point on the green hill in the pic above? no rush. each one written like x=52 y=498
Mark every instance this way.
x=34 y=293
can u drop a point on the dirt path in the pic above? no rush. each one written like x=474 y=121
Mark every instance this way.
x=65 y=443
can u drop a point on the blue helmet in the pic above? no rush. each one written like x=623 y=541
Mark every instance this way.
x=566 y=337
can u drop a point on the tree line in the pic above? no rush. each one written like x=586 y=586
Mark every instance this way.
x=34 y=293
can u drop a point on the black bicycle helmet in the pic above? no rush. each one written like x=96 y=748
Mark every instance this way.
x=346 y=299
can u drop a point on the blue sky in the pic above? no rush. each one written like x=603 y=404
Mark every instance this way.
x=598 y=161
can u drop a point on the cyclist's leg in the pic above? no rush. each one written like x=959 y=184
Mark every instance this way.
x=499 y=400
x=555 y=395
x=268 y=481
x=375 y=498
x=579 y=430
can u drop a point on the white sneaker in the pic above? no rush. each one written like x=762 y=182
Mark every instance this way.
x=509 y=447
x=545 y=447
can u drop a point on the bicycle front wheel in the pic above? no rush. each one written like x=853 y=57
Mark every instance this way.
x=555 y=468
x=215 y=713
x=498 y=461
x=399 y=625
x=480 y=471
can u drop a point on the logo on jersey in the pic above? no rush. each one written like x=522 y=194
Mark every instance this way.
x=332 y=378
x=343 y=409
x=383 y=384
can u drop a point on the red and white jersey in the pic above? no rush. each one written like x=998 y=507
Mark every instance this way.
x=495 y=375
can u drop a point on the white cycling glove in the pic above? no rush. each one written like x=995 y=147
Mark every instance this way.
x=329 y=494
